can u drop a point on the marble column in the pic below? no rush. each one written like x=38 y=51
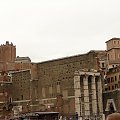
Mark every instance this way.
x=94 y=97
x=77 y=96
x=86 y=96
x=100 y=103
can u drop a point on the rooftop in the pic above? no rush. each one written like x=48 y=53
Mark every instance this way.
x=113 y=39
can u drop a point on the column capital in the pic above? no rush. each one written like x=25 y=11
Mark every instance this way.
x=86 y=75
x=93 y=75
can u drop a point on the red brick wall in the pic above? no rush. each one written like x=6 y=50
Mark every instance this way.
x=7 y=52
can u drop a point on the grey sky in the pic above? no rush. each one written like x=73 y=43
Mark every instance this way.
x=50 y=29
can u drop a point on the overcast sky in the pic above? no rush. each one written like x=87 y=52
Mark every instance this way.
x=50 y=29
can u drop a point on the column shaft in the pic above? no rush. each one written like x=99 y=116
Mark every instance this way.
x=77 y=95
x=100 y=103
x=94 y=97
x=86 y=96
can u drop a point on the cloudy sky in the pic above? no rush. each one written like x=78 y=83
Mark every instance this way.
x=50 y=29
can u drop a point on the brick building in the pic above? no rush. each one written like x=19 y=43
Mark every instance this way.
x=15 y=91
x=21 y=88
x=9 y=61
x=20 y=83
x=112 y=76
x=111 y=93
x=113 y=52
x=112 y=80
x=5 y=89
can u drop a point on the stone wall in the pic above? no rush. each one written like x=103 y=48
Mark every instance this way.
x=7 y=52
x=21 y=85
x=56 y=77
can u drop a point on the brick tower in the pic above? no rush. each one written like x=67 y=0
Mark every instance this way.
x=7 y=52
x=7 y=56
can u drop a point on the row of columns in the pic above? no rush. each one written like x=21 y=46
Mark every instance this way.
x=82 y=93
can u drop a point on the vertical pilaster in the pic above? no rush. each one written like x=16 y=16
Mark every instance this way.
x=94 y=97
x=86 y=96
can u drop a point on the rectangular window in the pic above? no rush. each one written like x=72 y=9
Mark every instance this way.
x=10 y=99
x=108 y=80
x=116 y=86
x=106 y=89
x=112 y=79
x=21 y=97
x=108 y=56
x=112 y=87
x=103 y=65
x=105 y=82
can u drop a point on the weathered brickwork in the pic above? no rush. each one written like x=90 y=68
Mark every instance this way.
x=61 y=71
x=111 y=87
x=9 y=61
x=7 y=52
x=113 y=52
x=21 y=85
x=112 y=80
x=57 y=76
x=47 y=81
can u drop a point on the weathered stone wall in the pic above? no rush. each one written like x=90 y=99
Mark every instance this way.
x=21 y=85
x=56 y=77
x=61 y=71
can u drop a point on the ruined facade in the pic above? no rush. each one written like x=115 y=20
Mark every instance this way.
x=15 y=88
x=5 y=89
x=49 y=85
x=56 y=78
x=21 y=83
x=88 y=95
x=15 y=77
